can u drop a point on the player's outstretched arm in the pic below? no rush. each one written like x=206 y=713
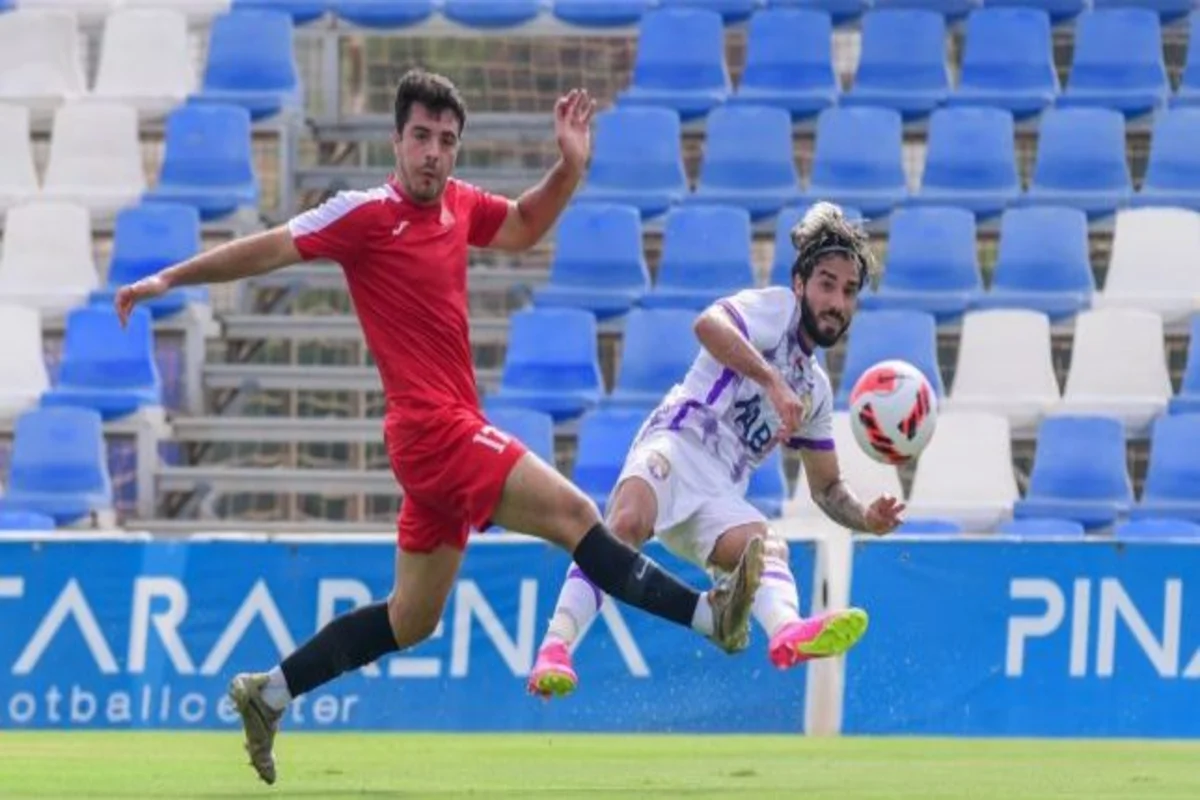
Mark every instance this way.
x=231 y=261
x=833 y=496
x=537 y=209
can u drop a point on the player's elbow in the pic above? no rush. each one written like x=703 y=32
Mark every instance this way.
x=707 y=327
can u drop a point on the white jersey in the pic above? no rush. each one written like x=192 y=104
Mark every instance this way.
x=730 y=416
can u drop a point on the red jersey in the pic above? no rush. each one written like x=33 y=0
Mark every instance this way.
x=406 y=268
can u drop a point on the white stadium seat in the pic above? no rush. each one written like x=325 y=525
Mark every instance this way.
x=145 y=60
x=18 y=173
x=47 y=262
x=88 y=12
x=197 y=11
x=1118 y=366
x=1155 y=263
x=41 y=61
x=95 y=157
x=868 y=477
x=23 y=375
x=966 y=472
x=1005 y=366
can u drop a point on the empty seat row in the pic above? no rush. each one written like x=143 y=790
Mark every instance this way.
x=931 y=262
x=145 y=61
x=964 y=480
x=1118 y=365
x=858 y=161
x=1008 y=62
x=47 y=262
x=95 y=161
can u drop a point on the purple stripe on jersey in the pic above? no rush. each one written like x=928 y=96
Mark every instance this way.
x=736 y=315
x=810 y=444
x=714 y=394
x=683 y=411
x=779 y=576
x=576 y=572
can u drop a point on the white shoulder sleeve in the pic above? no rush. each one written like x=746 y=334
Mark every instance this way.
x=762 y=315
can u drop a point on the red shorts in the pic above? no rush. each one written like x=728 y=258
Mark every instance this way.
x=452 y=467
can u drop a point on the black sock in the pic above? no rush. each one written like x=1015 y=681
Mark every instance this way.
x=348 y=642
x=630 y=577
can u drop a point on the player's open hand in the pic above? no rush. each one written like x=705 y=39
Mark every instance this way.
x=573 y=128
x=883 y=515
x=787 y=405
x=132 y=294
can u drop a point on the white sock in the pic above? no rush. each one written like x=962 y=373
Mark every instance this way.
x=777 y=601
x=579 y=602
x=702 y=619
x=275 y=693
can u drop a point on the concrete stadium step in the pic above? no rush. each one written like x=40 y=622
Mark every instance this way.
x=234 y=529
x=332 y=328
x=284 y=430
x=327 y=276
x=308 y=377
x=220 y=479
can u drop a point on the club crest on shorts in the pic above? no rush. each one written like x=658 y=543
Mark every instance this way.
x=658 y=465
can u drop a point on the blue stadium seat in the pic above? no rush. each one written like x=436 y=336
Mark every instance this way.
x=731 y=11
x=1060 y=11
x=857 y=160
x=1079 y=472
x=1173 y=170
x=1188 y=400
x=680 y=62
x=105 y=367
x=930 y=526
x=767 y=489
x=534 y=429
x=1118 y=62
x=1188 y=93
x=748 y=160
x=658 y=347
x=784 y=253
x=931 y=263
x=903 y=62
x=1008 y=62
x=146 y=238
x=1042 y=263
x=1172 y=487
x=383 y=14
x=59 y=466
x=1156 y=528
x=1042 y=527
x=1168 y=11
x=302 y=12
x=551 y=364
x=789 y=62
x=491 y=14
x=637 y=159
x=971 y=160
x=601 y=13
x=952 y=10
x=605 y=436
x=705 y=255
x=24 y=520
x=841 y=11
x=876 y=336
x=251 y=63
x=1081 y=161
x=598 y=262
x=207 y=161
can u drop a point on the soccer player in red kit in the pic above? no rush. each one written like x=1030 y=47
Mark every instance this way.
x=403 y=249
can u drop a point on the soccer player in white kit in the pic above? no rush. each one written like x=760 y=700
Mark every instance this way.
x=755 y=385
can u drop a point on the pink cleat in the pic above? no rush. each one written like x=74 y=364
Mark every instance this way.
x=552 y=675
x=829 y=634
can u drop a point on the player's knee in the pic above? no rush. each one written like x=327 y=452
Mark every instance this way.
x=577 y=512
x=627 y=525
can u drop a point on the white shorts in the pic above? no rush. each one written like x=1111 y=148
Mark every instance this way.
x=697 y=500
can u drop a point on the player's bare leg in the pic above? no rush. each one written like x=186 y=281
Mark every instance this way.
x=537 y=500
x=631 y=514
x=410 y=615
x=792 y=639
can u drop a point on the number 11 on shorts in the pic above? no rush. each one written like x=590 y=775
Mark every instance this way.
x=490 y=437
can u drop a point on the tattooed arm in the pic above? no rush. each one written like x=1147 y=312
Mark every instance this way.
x=838 y=501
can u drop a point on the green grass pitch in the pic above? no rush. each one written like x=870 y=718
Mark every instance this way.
x=72 y=765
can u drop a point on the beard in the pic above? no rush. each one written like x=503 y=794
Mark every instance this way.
x=811 y=325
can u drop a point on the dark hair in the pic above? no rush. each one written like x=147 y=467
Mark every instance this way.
x=825 y=231
x=436 y=92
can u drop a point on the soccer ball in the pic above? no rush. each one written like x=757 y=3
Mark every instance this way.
x=893 y=412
